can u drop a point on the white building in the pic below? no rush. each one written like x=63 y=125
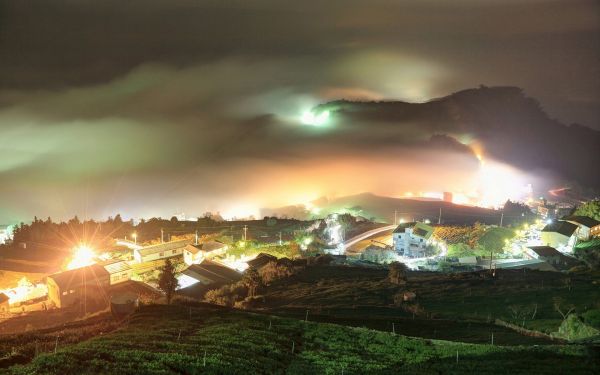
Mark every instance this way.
x=587 y=227
x=160 y=251
x=560 y=235
x=119 y=271
x=194 y=254
x=412 y=239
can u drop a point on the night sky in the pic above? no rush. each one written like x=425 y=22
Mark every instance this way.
x=155 y=107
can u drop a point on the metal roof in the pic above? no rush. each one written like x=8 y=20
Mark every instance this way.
x=206 y=247
x=213 y=271
x=174 y=245
x=116 y=266
x=562 y=227
x=582 y=220
x=79 y=276
x=545 y=251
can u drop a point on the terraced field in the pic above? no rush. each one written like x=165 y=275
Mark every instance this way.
x=197 y=338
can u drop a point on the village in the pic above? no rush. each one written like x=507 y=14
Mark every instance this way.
x=124 y=272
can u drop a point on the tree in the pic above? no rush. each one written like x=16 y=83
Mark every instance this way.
x=590 y=209
x=397 y=273
x=167 y=282
x=493 y=239
x=252 y=281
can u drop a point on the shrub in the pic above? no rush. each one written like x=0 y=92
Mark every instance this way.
x=592 y=317
x=227 y=295
x=276 y=270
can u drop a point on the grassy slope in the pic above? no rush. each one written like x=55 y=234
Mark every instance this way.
x=165 y=339
x=361 y=294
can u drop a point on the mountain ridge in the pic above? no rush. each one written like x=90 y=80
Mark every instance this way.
x=511 y=126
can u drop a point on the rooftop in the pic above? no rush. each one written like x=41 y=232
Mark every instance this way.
x=163 y=247
x=206 y=247
x=545 y=251
x=583 y=220
x=402 y=227
x=214 y=271
x=419 y=229
x=562 y=227
x=261 y=260
x=79 y=276
x=116 y=266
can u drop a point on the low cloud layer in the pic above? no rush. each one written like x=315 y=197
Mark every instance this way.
x=158 y=106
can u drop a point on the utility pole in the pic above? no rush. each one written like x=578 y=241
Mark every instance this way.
x=440 y=217
x=245 y=232
x=395 y=216
x=196 y=237
x=162 y=233
x=501 y=218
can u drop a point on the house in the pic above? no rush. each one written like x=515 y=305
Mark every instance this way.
x=559 y=235
x=551 y=256
x=193 y=254
x=81 y=285
x=160 y=251
x=412 y=239
x=261 y=260
x=208 y=272
x=4 y=303
x=119 y=271
x=587 y=227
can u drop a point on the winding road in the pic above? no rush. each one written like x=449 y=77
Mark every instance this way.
x=364 y=236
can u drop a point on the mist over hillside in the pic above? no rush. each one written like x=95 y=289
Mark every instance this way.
x=384 y=209
x=503 y=121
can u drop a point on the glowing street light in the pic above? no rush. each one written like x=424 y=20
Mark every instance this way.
x=134 y=235
x=82 y=256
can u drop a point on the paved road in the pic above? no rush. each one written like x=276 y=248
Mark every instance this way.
x=365 y=235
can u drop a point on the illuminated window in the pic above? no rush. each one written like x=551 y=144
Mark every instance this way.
x=64 y=293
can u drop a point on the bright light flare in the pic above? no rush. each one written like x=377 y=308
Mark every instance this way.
x=82 y=256
x=25 y=290
x=310 y=118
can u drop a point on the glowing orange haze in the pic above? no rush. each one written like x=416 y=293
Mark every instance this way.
x=273 y=185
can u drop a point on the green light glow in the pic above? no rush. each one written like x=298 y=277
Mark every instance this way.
x=310 y=118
